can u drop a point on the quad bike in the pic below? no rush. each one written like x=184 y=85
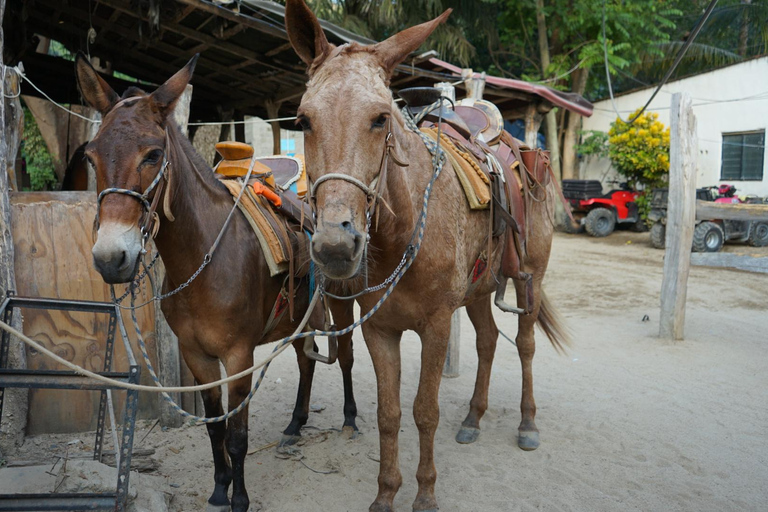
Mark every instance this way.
x=599 y=213
x=709 y=235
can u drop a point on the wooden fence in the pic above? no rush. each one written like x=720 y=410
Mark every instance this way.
x=52 y=232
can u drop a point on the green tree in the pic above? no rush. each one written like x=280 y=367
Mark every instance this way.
x=575 y=46
x=379 y=19
x=40 y=163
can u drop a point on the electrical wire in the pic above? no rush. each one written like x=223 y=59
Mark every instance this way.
x=671 y=70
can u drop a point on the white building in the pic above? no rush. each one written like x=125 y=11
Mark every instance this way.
x=731 y=108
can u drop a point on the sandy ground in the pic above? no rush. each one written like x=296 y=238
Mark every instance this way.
x=628 y=421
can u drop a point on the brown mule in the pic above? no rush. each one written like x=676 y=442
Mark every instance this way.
x=222 y=314
x=348 y=116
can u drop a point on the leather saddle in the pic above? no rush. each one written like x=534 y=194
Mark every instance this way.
x=476 y=126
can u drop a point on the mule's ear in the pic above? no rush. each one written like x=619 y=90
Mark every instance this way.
x=94 y=89
x=305 y=34
x=165 y=97
x=394 y=50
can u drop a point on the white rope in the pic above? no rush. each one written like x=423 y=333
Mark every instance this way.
x=97 y=121
x=246 y=121
x=62 y=107
x=137 y=387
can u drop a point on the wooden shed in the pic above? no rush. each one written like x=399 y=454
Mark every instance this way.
x=246 y=68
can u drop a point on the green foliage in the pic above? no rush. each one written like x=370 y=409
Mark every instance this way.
x=640 y=151
x=40 y=163
x=379 y=19
x=593 y=143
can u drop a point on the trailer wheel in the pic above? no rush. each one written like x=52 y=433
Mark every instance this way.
x=708 y=237
x=600 y=222
x=658 y=235
x=758 y=235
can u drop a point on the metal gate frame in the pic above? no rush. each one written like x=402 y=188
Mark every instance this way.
x=55 y=379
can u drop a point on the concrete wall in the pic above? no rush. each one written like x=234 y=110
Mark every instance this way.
x=259 y=134
x=727 y=100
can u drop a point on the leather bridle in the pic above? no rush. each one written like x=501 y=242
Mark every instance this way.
x=373 y=191
x=150 y=221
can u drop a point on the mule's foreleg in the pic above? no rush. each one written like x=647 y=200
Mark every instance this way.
x=206 y=369
x=343 y=315
x=292 y=433
x=487 y=333
x=385 y=354
x=237 y=429
x=426 y=410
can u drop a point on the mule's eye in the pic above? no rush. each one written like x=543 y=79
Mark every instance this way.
x=380 y=121
x=90 y=161
x=303 y=121
x=153 y=157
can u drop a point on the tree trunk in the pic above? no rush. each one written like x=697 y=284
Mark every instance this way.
x=744 y=32
x=14 y=400
x=550 y=120
x=574 y=121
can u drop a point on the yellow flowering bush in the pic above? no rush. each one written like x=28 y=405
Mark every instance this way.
x=640 y=151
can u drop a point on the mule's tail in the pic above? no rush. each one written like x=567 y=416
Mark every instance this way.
x=552 y=324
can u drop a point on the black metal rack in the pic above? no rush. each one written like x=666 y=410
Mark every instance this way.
x=12 y=378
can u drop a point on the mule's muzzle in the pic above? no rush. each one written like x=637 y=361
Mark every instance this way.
x=337 y=249
x=116 y=254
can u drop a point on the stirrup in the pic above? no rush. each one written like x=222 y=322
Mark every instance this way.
x=502 y=289
x=333 y=349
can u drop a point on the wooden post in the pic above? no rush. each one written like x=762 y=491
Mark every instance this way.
x=451 y=367
x=532 y=124
x=92 y=131
x=15 y=401
x=273 y=111
x=681 y=216
x=168 y=356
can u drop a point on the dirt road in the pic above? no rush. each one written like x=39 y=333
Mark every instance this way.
x=628 y=421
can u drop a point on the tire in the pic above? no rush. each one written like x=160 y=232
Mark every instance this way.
x=758 y=235
x=639 y=226
x=708 y=237
x=600 y=222
x=658 y=235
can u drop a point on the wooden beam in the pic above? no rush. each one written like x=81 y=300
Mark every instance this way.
x=144 y=59
x=451 y=365
x=247 y=81
x=249 y=21
x=201 y=36
x=707 y=210
x=681 y=214
x=729 y=260
x=14 y=401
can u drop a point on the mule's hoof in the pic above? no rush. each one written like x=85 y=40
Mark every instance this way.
x=528 y=441
x=217 y=508
x=427 y=510
x=288 y=440
x=350 y=433
x=467 y=435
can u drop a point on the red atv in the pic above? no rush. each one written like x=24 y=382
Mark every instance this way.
x=599 y=213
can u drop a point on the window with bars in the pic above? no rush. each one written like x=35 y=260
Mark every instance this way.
x=743 y=156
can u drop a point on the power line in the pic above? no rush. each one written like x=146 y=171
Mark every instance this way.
x=671 y=70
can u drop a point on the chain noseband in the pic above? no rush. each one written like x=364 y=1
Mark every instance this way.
x=150 y=222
